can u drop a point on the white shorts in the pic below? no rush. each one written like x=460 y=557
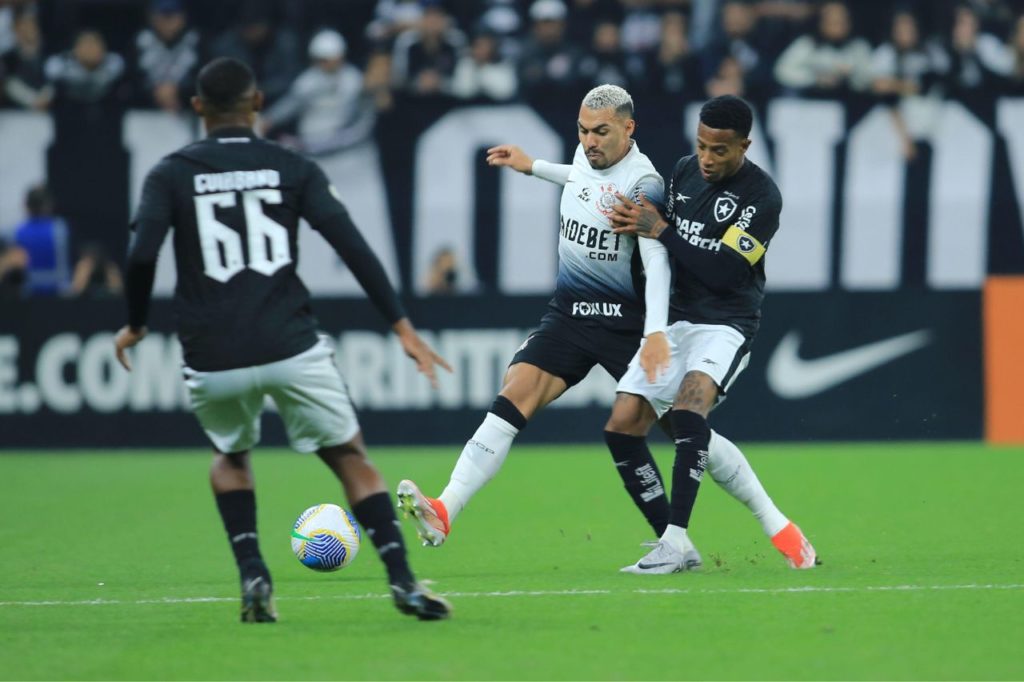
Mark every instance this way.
x=714 y=349
x=306 y=388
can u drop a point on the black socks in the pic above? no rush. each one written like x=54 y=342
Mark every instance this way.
x=640 y=475
x=238 y=512
x=377 y=516
x=691 y=434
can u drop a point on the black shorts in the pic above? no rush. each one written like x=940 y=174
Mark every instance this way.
x=569 y=348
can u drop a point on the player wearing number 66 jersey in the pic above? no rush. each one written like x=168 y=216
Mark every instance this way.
x=245 y=322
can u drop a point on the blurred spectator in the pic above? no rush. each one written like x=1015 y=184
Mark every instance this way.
x=605 y=62
x=328 y=101
x=482 y=72
x=424 y=58
x=87 y=162
x=7 y=13
x=393 y=17
x=96 y=275
x=728 y=79
x=751 y=61
x=675 y=69
x=904 y=70
x=780 y=22
x=377 y=80
x=44 y=238
x=977 y=61
x=641 y=26
x=832 y=62
x=501 y=18
x=443 y=276
x=548 y=65
x=88 y=73
x=13 y=264
x=273 y=52
x=993 y=15
x=1016 y=77
x=905 y=65
x=24 y=80
x=167 y=55
x=584 y=16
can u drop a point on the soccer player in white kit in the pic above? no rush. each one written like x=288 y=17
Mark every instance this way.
x=597 y=314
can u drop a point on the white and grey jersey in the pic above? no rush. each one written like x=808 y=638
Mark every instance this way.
x=600 y=273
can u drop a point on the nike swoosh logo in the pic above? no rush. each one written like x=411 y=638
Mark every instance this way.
x=646 y=566
x=792 y=377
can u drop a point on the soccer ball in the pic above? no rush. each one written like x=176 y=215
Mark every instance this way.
x=326 y=538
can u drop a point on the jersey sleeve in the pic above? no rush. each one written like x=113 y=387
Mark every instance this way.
x=670 y=187
x=322 y=207
x=658 y=284
x=152 y=221
x=154 y=215
x=757 y=223
x=653 y=188
x=557 y=173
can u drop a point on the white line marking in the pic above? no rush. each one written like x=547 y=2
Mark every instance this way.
x=539 y=593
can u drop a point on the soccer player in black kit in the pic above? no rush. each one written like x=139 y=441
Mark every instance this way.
x=721 y=211
x=245 y=323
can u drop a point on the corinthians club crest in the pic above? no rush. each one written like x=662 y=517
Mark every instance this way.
x=607 y=200
x=724 y=208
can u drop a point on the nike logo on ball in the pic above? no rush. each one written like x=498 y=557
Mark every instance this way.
x=792 y=377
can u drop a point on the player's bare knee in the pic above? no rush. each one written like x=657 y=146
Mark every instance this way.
x=697 y=393
x=334 y=453
x=231 y=460
x=529 y=388
x=631 y=415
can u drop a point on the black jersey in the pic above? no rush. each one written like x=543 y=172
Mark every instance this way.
x=235 y=202
x=718 y=235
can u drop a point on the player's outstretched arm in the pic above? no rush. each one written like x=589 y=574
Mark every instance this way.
x=515 y=158
x=426 y=359
x=510 y=156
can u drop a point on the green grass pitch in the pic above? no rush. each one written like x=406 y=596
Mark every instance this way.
x=114 y=566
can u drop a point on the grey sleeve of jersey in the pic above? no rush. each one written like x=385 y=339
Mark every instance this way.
x=652 y=187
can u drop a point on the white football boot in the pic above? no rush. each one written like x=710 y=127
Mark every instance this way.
x=666 y=559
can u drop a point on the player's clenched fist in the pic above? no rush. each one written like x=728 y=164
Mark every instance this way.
x=512 y=156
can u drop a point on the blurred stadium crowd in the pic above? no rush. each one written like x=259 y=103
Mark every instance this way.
x=333 y=63
x=332 y=68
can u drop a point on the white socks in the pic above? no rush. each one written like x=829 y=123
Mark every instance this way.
x=676 y=538
x=479 y=462
x=731 y=470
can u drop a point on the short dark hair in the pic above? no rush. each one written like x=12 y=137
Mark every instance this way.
x=224 y=82
x=728 y=112
x=39 y=201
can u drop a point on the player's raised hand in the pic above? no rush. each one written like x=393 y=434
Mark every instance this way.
x=642 y=219
x=655 y=355
x=126 y=338
x=420 y=351
x=512 y=156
